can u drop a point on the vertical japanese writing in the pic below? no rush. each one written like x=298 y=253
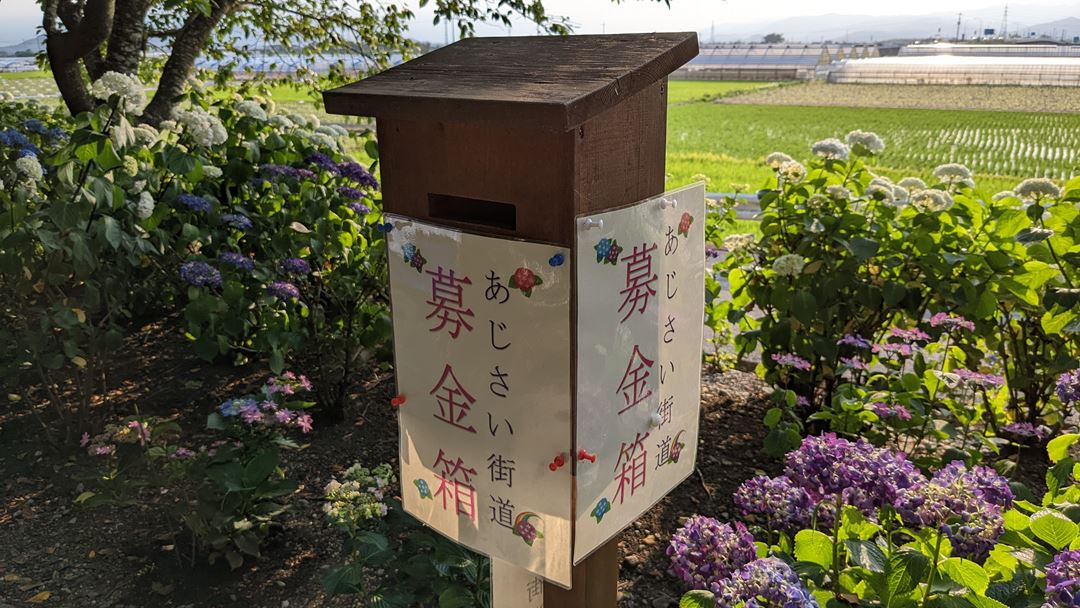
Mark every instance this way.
x=455 y=485
x=630 y=467
x=640 y=279
x=454 y=401
x=501 y=469
x=634 y=386
x=448 y=303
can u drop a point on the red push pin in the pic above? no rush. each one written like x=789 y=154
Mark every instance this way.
x=583 y=455
x=557 y=463
x=397 y=401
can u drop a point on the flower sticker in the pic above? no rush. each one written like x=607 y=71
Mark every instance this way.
x=526 y=529
x=677 y=446
x=601 y=509
x=413 y=257
x=684 y=224
x=607 y=251
x=525 y=279
x=557 y=260
x=425 y=491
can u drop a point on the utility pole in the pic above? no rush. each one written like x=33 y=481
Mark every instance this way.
x=959 y=17
x=1005 y=24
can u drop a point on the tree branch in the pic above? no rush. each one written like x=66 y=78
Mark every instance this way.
x=67 y=49
x=127 y=42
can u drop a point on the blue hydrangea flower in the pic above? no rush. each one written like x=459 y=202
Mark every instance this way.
x=322 y=161
x=360 y=208
x=233 y=407
x=776 y=503
x=283 y=290
x=1068 y=387
x=295 y=266
x=350 y=193
x=357 y=173
x=200 y=274
x=238 y=261
x=195 y=203
x=765 y=582
x=1063 y=580
x=237 y=220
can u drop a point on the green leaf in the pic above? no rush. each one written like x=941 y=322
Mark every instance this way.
x=967 y=573
x=456 y=596
x=1053 y=528
x=981 y=601
x=114 y=235
x=698 y=598
x=867 y=555
x=260 y=467
x=1058 y=448
x=863 y=248
x=814 y=547
x=772 y=417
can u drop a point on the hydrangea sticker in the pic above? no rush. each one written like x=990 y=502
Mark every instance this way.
x=601 y=509
x=607 y=251
x=525 y=279
x=526 y=529
x=425 y=491
x=684 y=224
x=413 y=257
x=676 y=449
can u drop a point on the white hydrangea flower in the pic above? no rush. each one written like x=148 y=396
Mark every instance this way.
x=1 y=184
x=789 y=265
x=323 y=140
x=1004 y=194
x=5 y=96
x=1037 y=188
x=128 y=88
x=792 y=171
x=251 y=109
x=900 y=193
x=204 y=128
x=211 y=171
x=831 y=148
x=776 y=159
x=282 y=122
x=29 y=167
x=839 y=193
x=297 y=119
x=931 y=201
x=912 y=184
x=144 y=208
x=952 y=173
x=882 y=192
x=313 y=122
x=131 y=166
x=168 y=125
x=865 y=142
x=138 y=185
x=146 y=135
x=739 y=242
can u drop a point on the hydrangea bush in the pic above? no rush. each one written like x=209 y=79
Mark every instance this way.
x=849 y=265
x=229 y=491
x=851 y=524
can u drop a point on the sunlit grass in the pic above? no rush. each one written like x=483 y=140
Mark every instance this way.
x=682 y=91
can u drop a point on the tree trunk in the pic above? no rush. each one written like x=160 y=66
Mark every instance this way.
x=127 y=42
x=66 y=49
x=187 y=45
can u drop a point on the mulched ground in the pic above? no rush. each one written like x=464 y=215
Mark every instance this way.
x=62 y=554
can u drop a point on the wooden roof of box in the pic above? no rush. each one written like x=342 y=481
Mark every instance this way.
x=546 y=82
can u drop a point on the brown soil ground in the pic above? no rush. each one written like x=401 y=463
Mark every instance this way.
x=63 y=554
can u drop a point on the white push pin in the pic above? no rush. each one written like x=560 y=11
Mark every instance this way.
x=668 y=203
x=654 y=420
x=589 y=223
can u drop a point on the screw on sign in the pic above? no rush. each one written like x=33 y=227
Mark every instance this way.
x=499 y=226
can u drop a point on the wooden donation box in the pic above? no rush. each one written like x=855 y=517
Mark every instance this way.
x=547 y=297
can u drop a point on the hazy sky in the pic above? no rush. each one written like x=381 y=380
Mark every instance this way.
x=19 y=18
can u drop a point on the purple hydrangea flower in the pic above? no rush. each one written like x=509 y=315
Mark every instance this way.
x=1068 y=387
x=951 y=322
x=1063 y=580
x=704 y=552
x=765 y=582
x=775 y=502
x=712 y=252
x=322 y=161
x=854 y=363
x=909 y=335
x=283 y=290
x=975 y=378
x=890 y=410
x=1026 y=430
x=295 y=266
x=200 y=274
x=287 y=171
x=792 y=361
x=238 y=261
x=233 y=407
x=831 y=469
x=350 y=193
x=853 y=340
x=237 y=220
x=891 y=349
x=194 y=203
x=965 y=504
x=360 y=208
x=357 y=173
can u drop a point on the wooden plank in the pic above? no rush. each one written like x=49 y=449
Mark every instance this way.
x=596 y=582
x=547 y=82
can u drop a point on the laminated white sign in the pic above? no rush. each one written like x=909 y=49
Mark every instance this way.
x=483 y=363
x=640 y=308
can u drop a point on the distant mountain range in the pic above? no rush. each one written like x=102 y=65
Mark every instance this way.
x=32 y=45
x=1045 y=22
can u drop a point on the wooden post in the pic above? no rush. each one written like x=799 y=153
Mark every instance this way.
x=516 y=138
